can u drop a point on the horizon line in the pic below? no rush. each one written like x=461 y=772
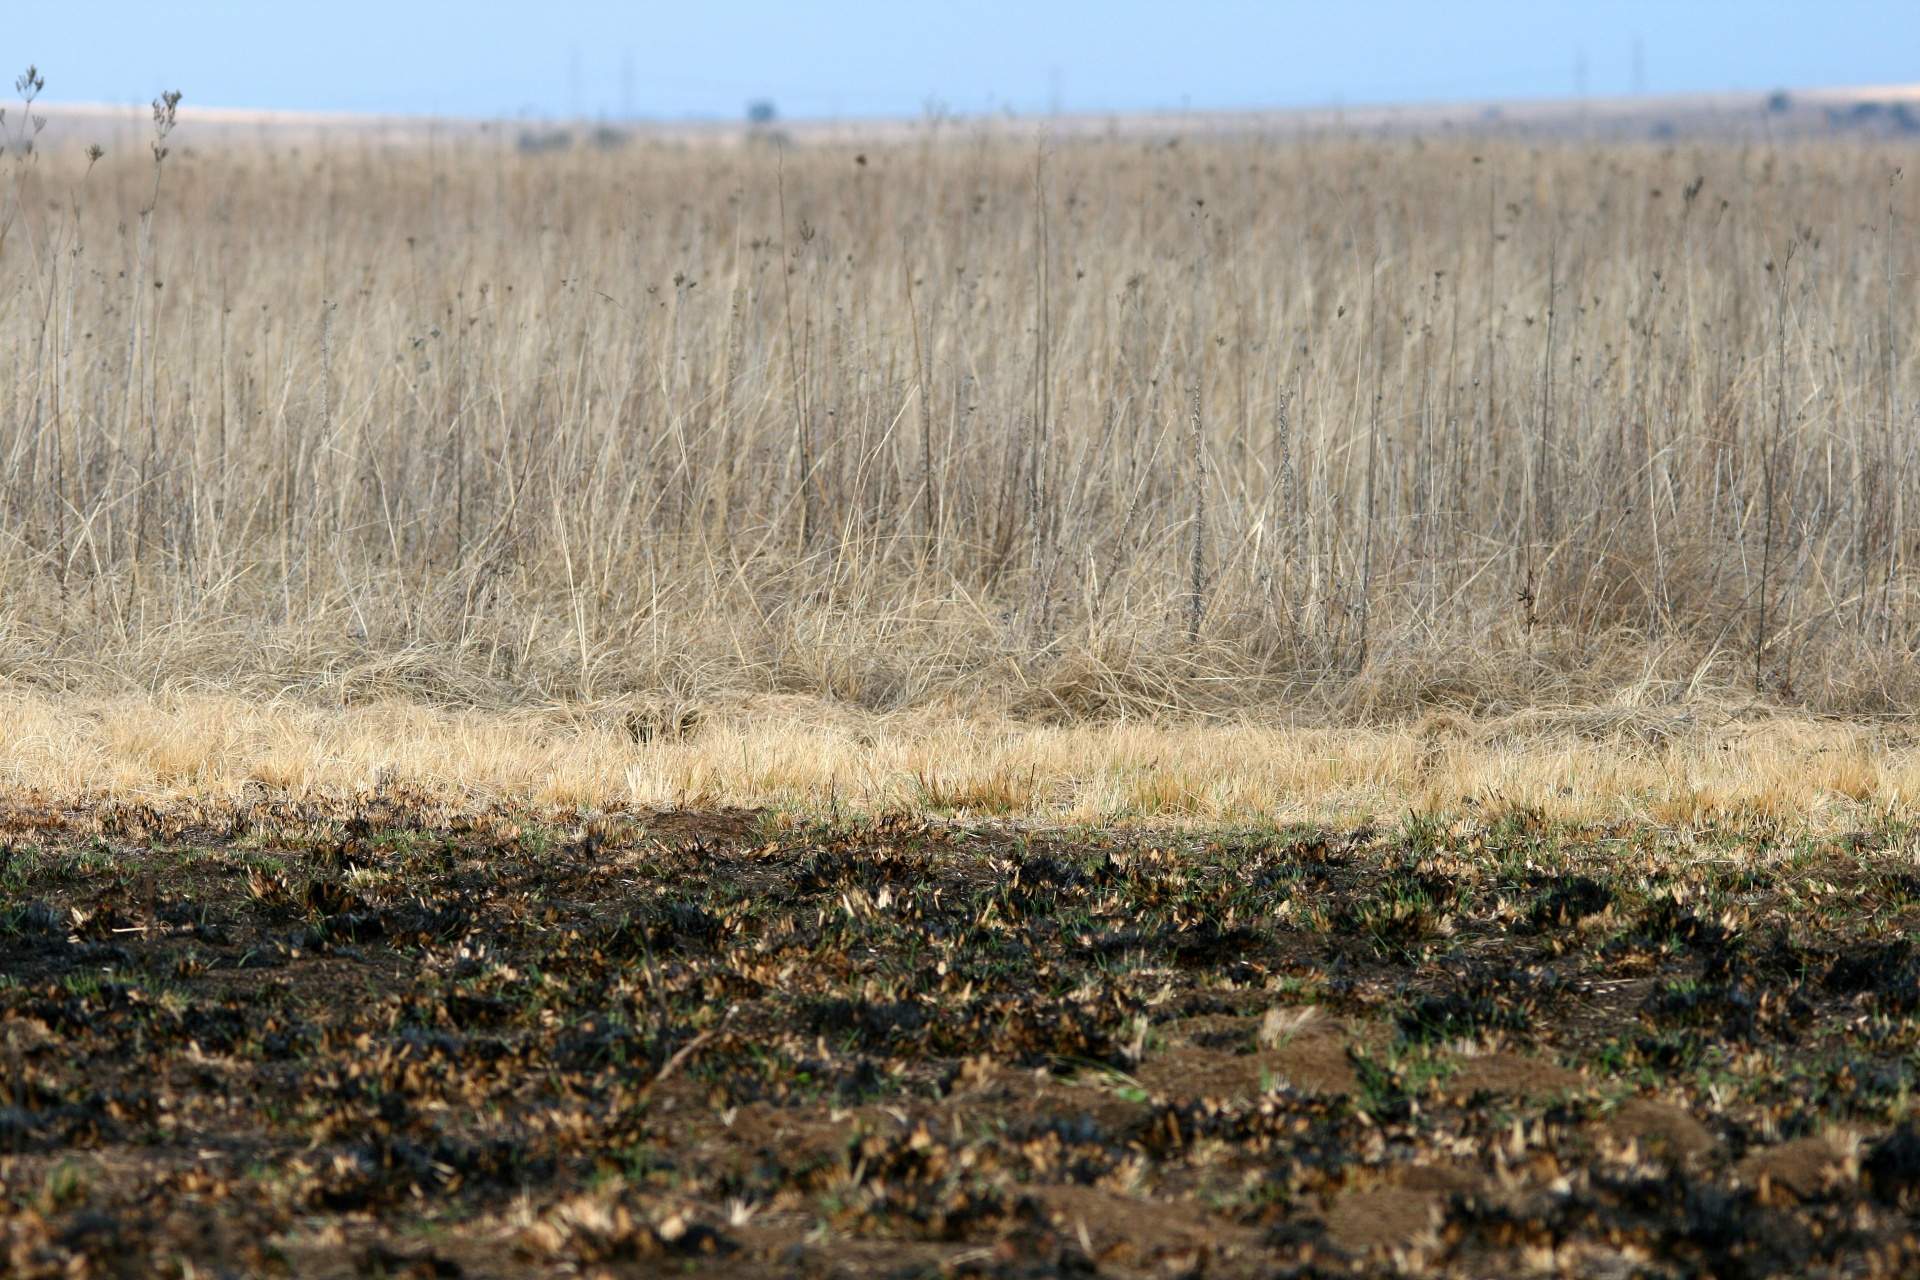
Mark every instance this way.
x=1612 y=104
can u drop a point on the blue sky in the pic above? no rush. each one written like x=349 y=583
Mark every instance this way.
x=866 y=58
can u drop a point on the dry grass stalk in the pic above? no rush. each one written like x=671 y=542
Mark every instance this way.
x=475 y=427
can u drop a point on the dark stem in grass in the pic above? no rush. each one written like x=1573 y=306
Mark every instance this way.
x=800 y=431
x=164 y=108
x=61 y=412
x=1289 y=540
x=1539 y=542
x=1373 y=465
x=1543 y=479
x=326 y=408
x=1196 y=596
x=924 y=372
x=1042 y=352
x=1768 y=466
x=1283 y=434
x=1895 y=483
x=1766 y=558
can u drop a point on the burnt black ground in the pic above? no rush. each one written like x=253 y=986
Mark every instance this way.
x=384 y=1038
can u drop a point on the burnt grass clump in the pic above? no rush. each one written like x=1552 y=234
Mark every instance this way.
x=386 y=1038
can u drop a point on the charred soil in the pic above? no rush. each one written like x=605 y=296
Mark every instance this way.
x=385 y=1038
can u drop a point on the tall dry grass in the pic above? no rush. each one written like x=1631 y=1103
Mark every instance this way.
x=1108 y=427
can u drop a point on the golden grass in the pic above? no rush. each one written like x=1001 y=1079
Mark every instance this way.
x=1673 y=766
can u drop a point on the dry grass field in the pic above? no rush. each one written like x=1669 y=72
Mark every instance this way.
x=953 y=430
x=1071 y=432
x=959 y=704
